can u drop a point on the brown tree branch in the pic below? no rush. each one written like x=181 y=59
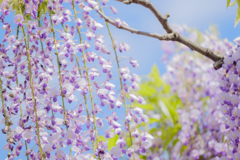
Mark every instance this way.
x=162 y=19
x=170 y=36
x=167 y=37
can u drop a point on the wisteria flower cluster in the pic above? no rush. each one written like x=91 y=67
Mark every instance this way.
x=59 y=94
x=202 y=134
x=229 y=97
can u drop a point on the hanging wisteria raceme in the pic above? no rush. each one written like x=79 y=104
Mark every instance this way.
x=203 y=134
x=59 y=95
x=229 y=97
x=202 y=129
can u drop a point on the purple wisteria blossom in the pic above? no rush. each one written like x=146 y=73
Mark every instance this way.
x=18 y=19
x=229 y=97
x=58 y=85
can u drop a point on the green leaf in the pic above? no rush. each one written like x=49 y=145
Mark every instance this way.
x=112 y=142
x=228 y=2
x=205 y=99
x=155 y=76
x=147 y=106
x=238 y=1
x=237 y=19
x=169 y=135
x=146 y=90
x=43 y=8
x=182 y=149
x=153 y=120
x=175 y=142
x=171 y=104
x=102 y=138
x=16 y=6
x=128 y=142
x=233 y=3
x=143 y=157
x=166 y=88
x=176 y=102
x=165 y=110
x=28 y=17
x=153 y=130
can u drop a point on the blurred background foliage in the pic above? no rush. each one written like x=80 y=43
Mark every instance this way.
x=162 y=105
x=231 y=3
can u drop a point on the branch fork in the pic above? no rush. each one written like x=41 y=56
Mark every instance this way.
x=171 y=34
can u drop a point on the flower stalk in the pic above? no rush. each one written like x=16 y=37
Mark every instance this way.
x=87 y=76
x=33 y=96
x=42 y=154
x=120 y=76
x=60 y=77
x=21 y=114
x=6 y=117
x=79 y=71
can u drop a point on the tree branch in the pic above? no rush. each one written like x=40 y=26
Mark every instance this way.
x=162 y=19
x=167 y=37
x=171 y=34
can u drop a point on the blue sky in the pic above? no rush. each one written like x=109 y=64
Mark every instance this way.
x=197 y=14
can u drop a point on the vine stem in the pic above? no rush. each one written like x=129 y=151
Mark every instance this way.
x=120 y=77
x=85 y=98
x=60 y=77
x=21 y=114
x=89 y=84
x=31 y=83
x=79 y=71
x=5 y=113
x=6 y=121
x=39 y=24
x=33 y=96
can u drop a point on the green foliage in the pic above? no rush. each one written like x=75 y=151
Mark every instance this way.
x=19 y=8
x=165 y=110
x=163 y=102
x=147 y=106
x=153 y=120
x=16 y=6
x=183 y=148
x=102 y=138
x=155 y=76
x=112 y=142
x=147 y=90
x=42 y=10
x=128 y=141
x=169 y=134
x=170 y=106
x=228 y=2
x=238 y=2
x=231 y=4
x=237 y=19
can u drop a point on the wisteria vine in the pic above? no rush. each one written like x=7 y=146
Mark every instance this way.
x=40 y=78
x=58 y=87
x=204 y=131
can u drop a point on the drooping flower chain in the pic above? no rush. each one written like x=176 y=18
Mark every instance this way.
x=192 y=77
x=52 y=80
x=229 y=97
